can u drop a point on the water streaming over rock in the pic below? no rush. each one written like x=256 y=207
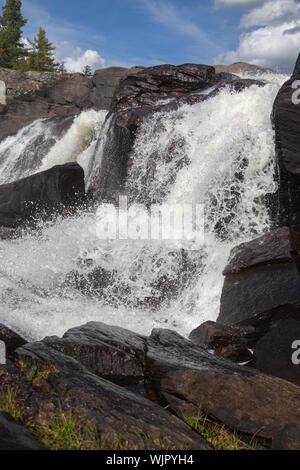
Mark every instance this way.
x=219 y=153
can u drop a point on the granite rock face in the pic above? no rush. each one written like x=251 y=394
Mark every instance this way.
x=111 y=352
x=277 y=353
x=188 y=380
x=262 y=275
x=60 y=187
x=286 y=122
x=27 y=96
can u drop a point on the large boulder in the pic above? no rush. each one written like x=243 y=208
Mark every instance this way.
x=286 y=121
x=15 y=437
x=60 y=187
x=155 y=89
x=277 y=353
x=230 y=342
x=262 y=275
x=58 y=383
x=111 y=352
x=189 y=381
x=106 y=81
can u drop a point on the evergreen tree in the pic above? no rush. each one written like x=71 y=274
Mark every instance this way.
x=12 y=51
x=87 y=71
x=41 y=57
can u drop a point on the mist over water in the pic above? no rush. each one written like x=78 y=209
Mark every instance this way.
x=219 y=153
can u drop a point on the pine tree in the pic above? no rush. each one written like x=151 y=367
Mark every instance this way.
x=87 y=71
x=12 y=51
x=41 y=57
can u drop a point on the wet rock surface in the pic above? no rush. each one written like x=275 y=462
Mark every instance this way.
x=41 y=194
x=187 y=379
x=286 y=118
x=156 y=89
x=276 y=353
x=108 y=351
x=262 y=275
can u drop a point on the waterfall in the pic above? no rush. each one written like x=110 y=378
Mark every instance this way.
x=45 y=143
x=219 y=153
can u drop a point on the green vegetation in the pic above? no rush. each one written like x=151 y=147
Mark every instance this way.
x=41 y=57
x=217 y=435
x=24 y=54
x=12 y=50
x=8 y=405
x=41 y=374
x=65 y=432
x=87 y=71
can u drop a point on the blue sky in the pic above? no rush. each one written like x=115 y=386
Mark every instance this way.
x=150 y=32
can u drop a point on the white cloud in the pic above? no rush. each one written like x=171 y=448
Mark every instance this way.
x=81 y=58
x=277 y=11
x=66 y=37
x=275 y=41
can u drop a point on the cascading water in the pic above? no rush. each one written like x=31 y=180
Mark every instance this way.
x=219 y=153
x=41 y=145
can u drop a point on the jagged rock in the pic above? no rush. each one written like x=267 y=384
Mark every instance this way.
x=15 y=437
x=106 y=82
x=288 y=438
x=35 y=95
x=188 y=380
x=229 y=342
x=274 y=351
x=160 y=88
x=118 y=414
x=286 y=121
x=111 y=352
x=11 y=339
x=261 y=276
x=236 y=352
x=211 y=335
x=39 y=194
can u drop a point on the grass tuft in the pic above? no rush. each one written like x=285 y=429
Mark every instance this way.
x=219 y=436
x=8 y=405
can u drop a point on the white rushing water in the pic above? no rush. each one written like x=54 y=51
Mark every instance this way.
x=40 y=145
x=219 y=153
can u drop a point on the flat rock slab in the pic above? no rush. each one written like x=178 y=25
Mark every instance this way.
x=274 y=352
x=261 y=275
x=117 y=413
x=188 y=380
x=108 y=351
x=15 y=437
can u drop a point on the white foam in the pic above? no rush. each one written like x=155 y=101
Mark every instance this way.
x=203 y=153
